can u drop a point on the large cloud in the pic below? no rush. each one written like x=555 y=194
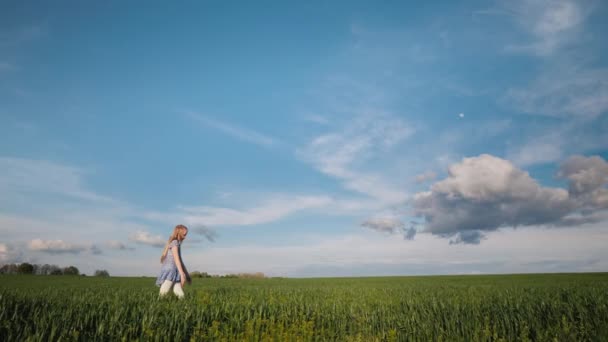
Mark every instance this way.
x=485 y=193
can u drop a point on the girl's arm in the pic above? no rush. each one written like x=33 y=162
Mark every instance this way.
x=178 y=263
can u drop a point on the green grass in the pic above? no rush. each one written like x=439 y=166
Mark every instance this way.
x=542 y=307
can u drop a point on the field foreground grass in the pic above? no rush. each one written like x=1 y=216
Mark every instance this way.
x=539 y=307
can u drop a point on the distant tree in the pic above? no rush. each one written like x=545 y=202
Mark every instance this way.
x=25 y=268
x=197 y=274
x=71 y=270
x=102 y=273
x=8 y=269
x=257 y=275
x=56 y=271
x=44 y=269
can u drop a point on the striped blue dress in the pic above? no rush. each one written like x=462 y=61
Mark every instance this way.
x=169 y=270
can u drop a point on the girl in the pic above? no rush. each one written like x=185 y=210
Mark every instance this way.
x=173 y=273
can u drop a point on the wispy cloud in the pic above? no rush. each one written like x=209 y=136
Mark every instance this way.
x=61 y=247
x=550 y=24
x=146 y=238
x=552 y=143
x=570 y=86
x=234 y=131
x=569 y=91
x=41 y=176
x=46 y=202
x=544 y=148
x=266 y=208
x=340 y=153
x=270 y=210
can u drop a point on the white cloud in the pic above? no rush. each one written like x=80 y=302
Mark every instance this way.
x=557 y=17
x=146 y=238
x=10 y=254
x=60 y=205
x=564 y=91
x=240 y=133
x=542 y=149
x=60 y=247
x=46 y=206
x=270 y=210
x=340 y=154
x=268 y=207
x=486 y=193
x=551 y=24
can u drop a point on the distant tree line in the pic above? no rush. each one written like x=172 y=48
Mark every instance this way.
x=257 y=275
x=46 y=269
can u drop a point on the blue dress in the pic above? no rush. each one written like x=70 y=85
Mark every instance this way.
x=169 y=270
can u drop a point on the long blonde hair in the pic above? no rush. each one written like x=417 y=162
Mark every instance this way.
x=178 y=234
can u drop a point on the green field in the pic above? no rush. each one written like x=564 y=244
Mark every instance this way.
x=551 y=307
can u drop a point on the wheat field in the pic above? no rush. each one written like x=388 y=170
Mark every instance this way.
x=534 y=307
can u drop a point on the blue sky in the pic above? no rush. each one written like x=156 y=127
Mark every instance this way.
x=317 y=139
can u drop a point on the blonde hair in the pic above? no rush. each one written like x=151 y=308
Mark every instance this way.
x=178 y=234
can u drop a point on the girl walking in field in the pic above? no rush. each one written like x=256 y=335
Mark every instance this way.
x=173 y=273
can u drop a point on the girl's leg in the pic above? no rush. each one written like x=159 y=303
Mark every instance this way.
x=177 y=289
x=166 y=287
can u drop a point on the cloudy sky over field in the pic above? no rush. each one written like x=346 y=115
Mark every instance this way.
x=306 y=139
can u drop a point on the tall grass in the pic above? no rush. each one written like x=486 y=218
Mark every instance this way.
x=562 y=307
